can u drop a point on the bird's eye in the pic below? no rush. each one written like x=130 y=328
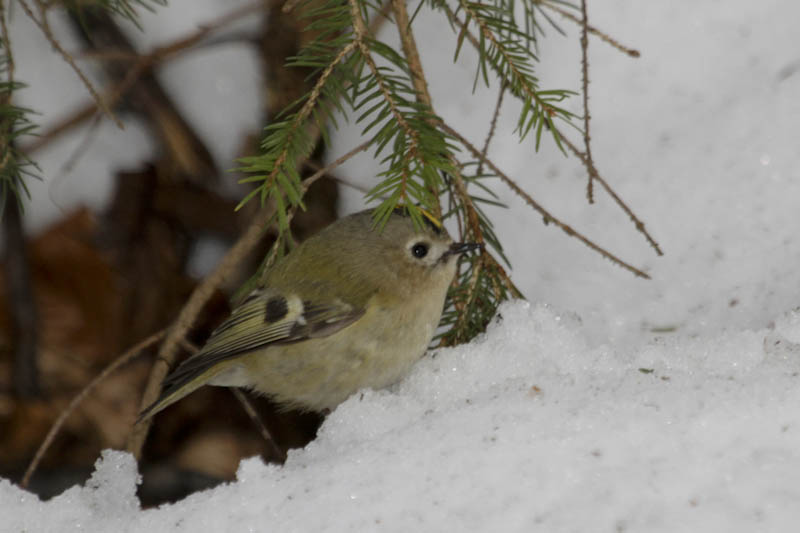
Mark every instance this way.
x=419 y=250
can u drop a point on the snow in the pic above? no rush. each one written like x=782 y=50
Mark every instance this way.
x=608 y=403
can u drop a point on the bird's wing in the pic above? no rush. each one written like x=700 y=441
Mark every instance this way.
x=266 y=317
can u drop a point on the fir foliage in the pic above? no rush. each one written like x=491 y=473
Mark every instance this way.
x=369 y=81
x=15 y=167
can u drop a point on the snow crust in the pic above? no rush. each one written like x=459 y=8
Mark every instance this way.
x=527 y=428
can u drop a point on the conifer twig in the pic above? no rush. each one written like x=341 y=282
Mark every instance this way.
x=594 y=31
x=492 y=126
x=591 y=169
x=56 y=427
x=585 y=90
x=548 y=218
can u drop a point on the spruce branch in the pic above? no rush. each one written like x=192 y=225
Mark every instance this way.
x=15 y=123
x=289 y=142
x=550 y=4
x=588 y=164
x=547 y=216
x=503 y=50
x=592 y=170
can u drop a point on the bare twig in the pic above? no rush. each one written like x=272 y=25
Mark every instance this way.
x=548 y=218
x=200 y=296
x=275 y=451
x=56 y=427
x=307 y=182
x=588 y=164
x=492 y=126
x=188 y=314
x=585 y=86
x=591 y=169
x=44 y=26
x=594 y=31
x=142 y=64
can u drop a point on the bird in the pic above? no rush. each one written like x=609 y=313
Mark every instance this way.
x=352 y=307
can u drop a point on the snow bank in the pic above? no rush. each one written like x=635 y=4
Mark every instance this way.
x=527 y=428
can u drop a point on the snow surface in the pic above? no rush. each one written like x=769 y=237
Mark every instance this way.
x=610 y=403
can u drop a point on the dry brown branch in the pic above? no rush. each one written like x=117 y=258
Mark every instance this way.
x=275 y=451
x=548 y=218
x=585 y=89
x=56 y=427
x=492 y=126
x=409 y=45
x=594 y=31
x=309 y=181
x=591 y=169
x=200 y=296
x=44 y=26
x=186 y=318
x=142 y=64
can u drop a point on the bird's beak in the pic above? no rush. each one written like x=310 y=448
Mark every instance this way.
x=458 y=248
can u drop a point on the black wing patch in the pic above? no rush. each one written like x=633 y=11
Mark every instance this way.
x=262 y=320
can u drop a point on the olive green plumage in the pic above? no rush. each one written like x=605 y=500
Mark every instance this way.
x=349 y=308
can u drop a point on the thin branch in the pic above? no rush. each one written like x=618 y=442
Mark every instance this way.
x=492 y=126
x=275 y=451
x=548 y=218
x=307 y=182
x=186 y=318
x=588 y=164
x=362 y=32
x=56 y=427
x=199 y=297
x=142 y=64
x=308 y=107
x=591 y=169
x=489 y=35
x=585 y=86
x=251 y=412
x=594 y=31
x=44 y=26
x=409 y=45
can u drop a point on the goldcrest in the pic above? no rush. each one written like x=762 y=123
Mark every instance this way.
x=351 y=307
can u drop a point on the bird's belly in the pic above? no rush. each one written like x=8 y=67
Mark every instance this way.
x=318 y=374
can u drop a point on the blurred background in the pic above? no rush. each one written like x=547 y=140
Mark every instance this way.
x=124 y=223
